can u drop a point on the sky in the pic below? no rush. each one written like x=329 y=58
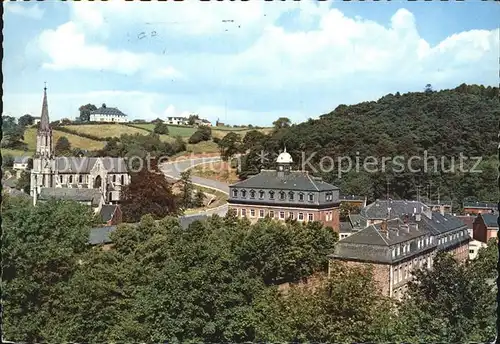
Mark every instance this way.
x=240 y=62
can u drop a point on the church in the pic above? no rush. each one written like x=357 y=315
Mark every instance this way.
x=96 y=181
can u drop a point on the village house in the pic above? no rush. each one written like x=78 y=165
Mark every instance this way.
x=485 y=227
x=108 y=114
x=21 y=163
x=286 y=194
x=474 y=208
x=177 y=120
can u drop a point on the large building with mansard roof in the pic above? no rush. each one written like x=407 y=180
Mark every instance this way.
x=96 y=180
x=286 y=194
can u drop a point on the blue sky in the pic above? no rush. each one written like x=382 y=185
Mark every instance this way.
x=241 y=62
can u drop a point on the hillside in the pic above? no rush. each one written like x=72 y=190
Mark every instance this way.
x=445 y=124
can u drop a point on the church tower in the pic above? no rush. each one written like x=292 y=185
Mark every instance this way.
x=42 y=172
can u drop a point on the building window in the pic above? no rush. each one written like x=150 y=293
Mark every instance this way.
x=235 y=193
x=393 y=253
x=418 y=245
x=329 y=196
x=290 y=195
x=114 y=178
x=282 y=215
x=243 y=193
x=271 y=194
x=61 y=179
x=123 y=179
x=261 y=213
x=261 y=194
x=290 y=215
x=243 y=212
x=301 y=216
x=252 y=194
x=301 y=197
x=282 y=195
x=80 y=178
x=310 y=217
x=311 y=197
x=252 y=212
x=397 y=251
x=70 y=179
x=271 y=214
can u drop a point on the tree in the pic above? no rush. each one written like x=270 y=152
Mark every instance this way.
x=204 y=133
x=282 y=122
x=461 y=305
x=26 y=120
x=199 y=199
x=229 y=145
x=24 y=182
x=12 y=132
x=63 y=146
x=347 y=208
x=192 y=119
x=253 y=138
x=161 y=128
x=428 y=88
x=54 y=234
x=7 y=160
x=148 y=193
x=187 y=188
x=85 y=111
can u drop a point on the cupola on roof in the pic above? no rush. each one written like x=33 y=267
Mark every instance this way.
x=284 y=158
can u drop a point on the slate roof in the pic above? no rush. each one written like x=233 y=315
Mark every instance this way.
x=352 y=198
x=490 y=220
x=101 y=235
x=108 y=111
x=294 y=180
x=480 y=205
x=107 y=212
x=85 y=164
x=357 y=221
x=379 y=208
x=9 y=182
x=440 y=224
x=370 y=244
x=68 y=194
x=345 y=227
x=467 y=220
x=21 y=159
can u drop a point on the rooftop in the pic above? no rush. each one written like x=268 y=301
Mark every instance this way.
x=108 y=111
x=490 y=220
x=381 y=209
x=86 y=164
x=481 y=205
x=71 y=194
x=293 y=180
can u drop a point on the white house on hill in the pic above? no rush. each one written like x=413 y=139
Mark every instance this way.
x=108 y=114
x=177 y=120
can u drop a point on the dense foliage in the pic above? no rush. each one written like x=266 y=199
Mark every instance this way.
x=161 y=128
x=85 y=111
x=63 y=147
x=428 y=124
x=12 y=133
x=218 y=281
x=204 y=133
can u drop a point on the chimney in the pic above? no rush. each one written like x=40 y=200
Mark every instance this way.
x=405 y=219
x=405 y=228
x=383 y=228
x=441 y=209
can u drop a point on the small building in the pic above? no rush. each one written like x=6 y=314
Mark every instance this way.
x=111 y=214
x=91 y=197
x=474 y=208
x=21 y=163
x=108 y=114
x=177 y=120
x=474 y=247
x=202 y=122
x=358 y=201
x=286 y=194
x=485 y=227
x=219 y=124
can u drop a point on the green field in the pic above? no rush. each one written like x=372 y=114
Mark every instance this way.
x=173 y=130
x=106 y=130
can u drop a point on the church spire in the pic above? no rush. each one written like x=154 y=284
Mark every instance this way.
x=44 y=120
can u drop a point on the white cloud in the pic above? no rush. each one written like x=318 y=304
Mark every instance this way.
x=24 y=9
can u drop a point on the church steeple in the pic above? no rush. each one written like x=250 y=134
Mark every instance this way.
x=44 y=142
x=44 y=119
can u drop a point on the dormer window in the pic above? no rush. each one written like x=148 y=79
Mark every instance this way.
x=80 y=178
x=243 y=193
x=282 y=195
x=311 y=197
x=261 y=194
x=301 y=197
x=114 y=178
x=290 y=195
x=271 y=194
x=252 y=194
x=70 y=179
x=329 y=196
x=235 y=193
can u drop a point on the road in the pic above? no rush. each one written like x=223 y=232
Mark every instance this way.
x=174 y=170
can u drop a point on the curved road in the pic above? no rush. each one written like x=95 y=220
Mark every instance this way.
x=175 y=168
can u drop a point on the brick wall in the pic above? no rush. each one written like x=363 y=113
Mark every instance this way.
x=381 y=273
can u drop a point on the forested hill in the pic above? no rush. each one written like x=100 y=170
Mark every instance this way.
x=443 y=123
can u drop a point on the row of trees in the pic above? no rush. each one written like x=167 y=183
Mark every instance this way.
x=217 y=281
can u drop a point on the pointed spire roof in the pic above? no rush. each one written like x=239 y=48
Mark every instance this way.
x=44 y=120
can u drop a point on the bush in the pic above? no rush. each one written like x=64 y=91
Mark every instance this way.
x=216 y=139
x=7 y=160
x=161 y=128
x=196 y=138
